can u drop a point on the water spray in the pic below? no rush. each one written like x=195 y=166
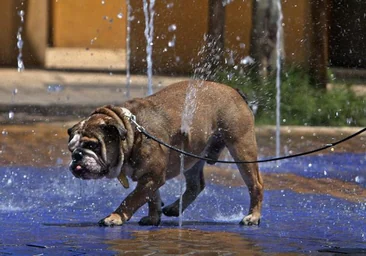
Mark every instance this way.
x=20 y=41
x=279 y=36
x=149 y=12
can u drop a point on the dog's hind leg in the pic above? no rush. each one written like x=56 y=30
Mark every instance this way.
x=195 y=183
x=214 y=148
x=246 y=150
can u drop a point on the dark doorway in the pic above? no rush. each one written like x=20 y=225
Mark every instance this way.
x=347 y=45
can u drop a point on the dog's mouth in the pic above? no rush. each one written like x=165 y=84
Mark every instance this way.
x=80 y=171
x=87 y=165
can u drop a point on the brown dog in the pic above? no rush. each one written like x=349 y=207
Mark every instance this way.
x=107 y=144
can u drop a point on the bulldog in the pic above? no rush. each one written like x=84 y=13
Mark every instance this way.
x=109 y=143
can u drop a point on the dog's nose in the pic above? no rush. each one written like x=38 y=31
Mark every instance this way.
x=77 y=155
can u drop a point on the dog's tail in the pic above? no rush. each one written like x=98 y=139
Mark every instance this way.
x=242 y=95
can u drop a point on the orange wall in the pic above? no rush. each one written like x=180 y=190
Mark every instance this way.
x=296 y=18
x=9 y=23
x=34 y=33
x=190 y=18
x=237 y=28
x=77 y=22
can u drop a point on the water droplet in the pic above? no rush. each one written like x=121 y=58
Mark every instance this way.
x=15 y=91
x=59 y=161
x=20 y=44
x=310 y=165
x=21 y=14
x=120 y=15
x=325 y=173
x=103 y=2
x=170 y=5
x=4 y=132
x=247 y=60
x=55 y=88
x=172 y=28
x=93 y=40
x=359 y=179
x=171 y=43
x=11 y=115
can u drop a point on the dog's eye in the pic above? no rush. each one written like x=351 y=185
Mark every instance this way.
x=91 y=145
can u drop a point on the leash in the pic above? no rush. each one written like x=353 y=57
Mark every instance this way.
x=142 y=130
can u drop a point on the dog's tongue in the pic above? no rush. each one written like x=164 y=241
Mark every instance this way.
x=78 y=168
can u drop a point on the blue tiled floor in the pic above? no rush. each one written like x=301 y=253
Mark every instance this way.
x=48 y=211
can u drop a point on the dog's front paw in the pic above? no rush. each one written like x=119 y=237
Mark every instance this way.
x=250 y=220
x=112 y=220
x=149 y=221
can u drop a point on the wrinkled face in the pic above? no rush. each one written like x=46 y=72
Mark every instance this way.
x=95 y=148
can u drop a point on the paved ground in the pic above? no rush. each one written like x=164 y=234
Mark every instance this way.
x=35 y=93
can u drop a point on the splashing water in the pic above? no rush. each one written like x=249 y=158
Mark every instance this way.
x=181 y=173
x=149 y=34
x=128 y=49
x=172 y=28
x=20 y=42
x=189 y=108
x=279 y=36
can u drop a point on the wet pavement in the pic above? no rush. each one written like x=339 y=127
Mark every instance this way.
x=46 y=211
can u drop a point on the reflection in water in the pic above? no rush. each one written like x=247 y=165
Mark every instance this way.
x=183 y=242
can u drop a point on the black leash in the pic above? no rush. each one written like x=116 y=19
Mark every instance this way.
x=148 y=135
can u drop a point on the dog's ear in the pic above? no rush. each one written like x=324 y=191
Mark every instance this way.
x=109 y=127
x=72 y=130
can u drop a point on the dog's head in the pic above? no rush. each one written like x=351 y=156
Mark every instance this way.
x=95 y=146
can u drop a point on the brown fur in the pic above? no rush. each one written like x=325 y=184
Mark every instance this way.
x=221 y=119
